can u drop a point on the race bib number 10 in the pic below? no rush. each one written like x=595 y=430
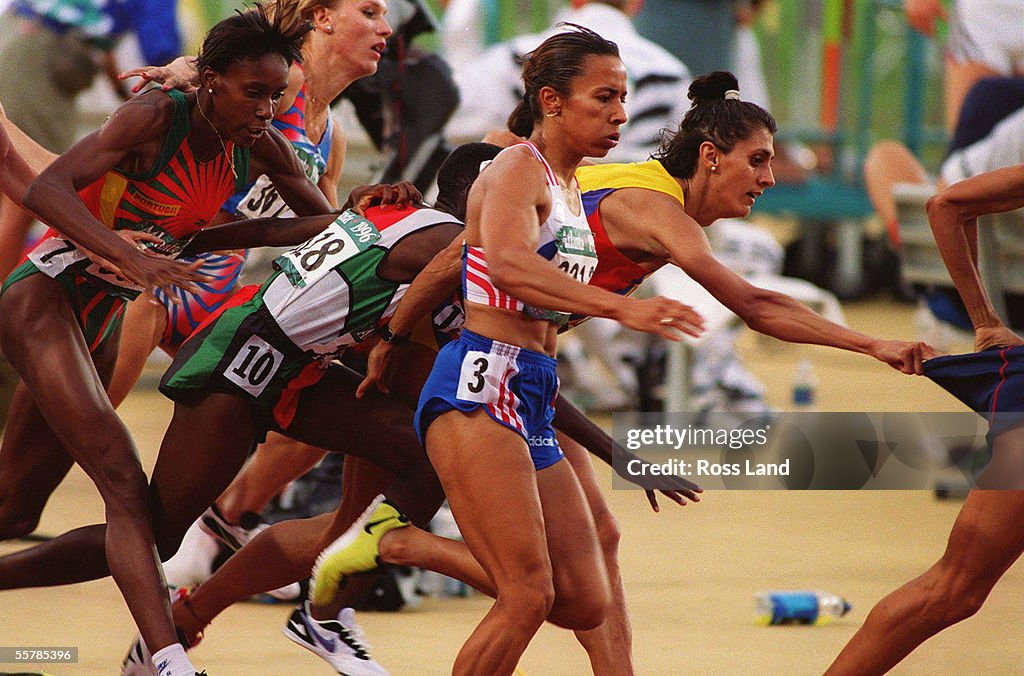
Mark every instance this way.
x=254 y=365
x=349 y=235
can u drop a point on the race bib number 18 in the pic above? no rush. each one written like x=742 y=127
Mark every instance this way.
x=349 y=235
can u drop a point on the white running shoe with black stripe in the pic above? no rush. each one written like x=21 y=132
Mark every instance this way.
x=341 y=643
x=139 y=661
x=236 y=536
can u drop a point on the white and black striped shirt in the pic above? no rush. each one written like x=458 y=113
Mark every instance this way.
x=490 y=86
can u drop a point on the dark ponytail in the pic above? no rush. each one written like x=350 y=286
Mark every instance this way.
x=555 y=63
x=716 y=115
x=520 y=122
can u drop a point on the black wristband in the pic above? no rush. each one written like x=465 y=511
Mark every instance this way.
x=389 y=336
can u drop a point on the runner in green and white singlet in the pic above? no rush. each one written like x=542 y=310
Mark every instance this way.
x=327 y=295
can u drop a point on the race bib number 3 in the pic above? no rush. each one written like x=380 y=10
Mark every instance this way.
x=484 y=376
x=254 y=366
x=349 y=235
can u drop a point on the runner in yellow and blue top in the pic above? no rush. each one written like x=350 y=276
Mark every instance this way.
x=715 y=165
x=139 y=172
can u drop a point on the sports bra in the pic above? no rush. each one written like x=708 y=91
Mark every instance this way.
x=565 y=239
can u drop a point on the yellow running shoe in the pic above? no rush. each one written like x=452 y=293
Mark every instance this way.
x=356 y=551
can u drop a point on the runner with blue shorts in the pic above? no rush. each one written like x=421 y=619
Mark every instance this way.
x=988 y=535
x=527 y=257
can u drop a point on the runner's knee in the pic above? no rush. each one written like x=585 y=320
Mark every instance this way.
x=608 y=533
x=955 y=594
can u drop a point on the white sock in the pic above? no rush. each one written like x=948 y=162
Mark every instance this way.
x=172 y=661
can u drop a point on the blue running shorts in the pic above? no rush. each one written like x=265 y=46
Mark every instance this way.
x=991 y=382
x=516 y=387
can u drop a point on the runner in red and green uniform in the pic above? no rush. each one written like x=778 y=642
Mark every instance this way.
x=169 y=201
x=264 y=360
x=327 y=295
x=161 y=166
x=346 y=45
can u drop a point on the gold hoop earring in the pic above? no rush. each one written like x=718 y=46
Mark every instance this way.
x=551 y=113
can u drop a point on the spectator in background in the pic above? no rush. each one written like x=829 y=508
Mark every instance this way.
x=793 y=159
x=989 y=135
x=51 y=51
x=746 y=53
x=490 y=86
x=985 y=39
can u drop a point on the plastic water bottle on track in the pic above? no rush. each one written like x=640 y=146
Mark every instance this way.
x=805 y=385
x=799 y=607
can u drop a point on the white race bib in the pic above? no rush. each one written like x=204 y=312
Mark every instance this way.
x=254 y=366
x=483 y=375
x=263 y=201
x=349 y=235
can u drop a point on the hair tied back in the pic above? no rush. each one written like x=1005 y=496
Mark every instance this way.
x=731 y=94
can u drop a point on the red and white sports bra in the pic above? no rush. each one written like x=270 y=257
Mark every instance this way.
x=565 y=239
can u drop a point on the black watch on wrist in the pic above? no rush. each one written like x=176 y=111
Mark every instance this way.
x=390 y=337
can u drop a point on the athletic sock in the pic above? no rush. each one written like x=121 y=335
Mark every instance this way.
x=172 y=661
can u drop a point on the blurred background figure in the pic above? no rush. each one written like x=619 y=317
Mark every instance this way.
x=698 y=32
x=490 y=87
x=989 y=135
x=746 y=53
x=404 y=106
x=462 y=32
x=984 y=39
x=50 y=52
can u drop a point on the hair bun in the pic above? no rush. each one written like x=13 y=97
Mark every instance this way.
x=712 y=86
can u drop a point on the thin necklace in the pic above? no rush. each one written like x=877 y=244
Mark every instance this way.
x=230 y=158
x=309 y=92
